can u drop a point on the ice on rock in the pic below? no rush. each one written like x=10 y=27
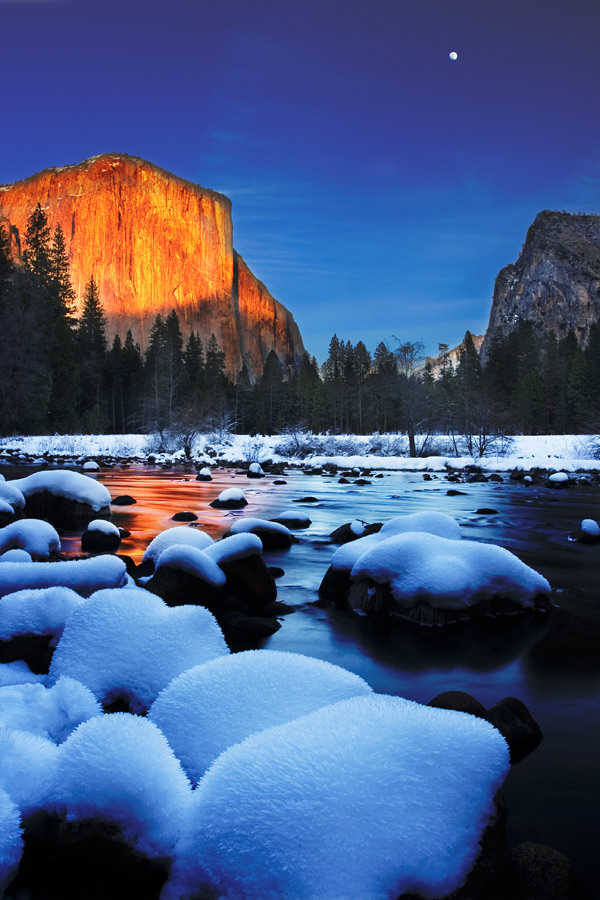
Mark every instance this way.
x=120 y=768
x=194 y=561
x=52 y=712
x=429 y=522
x=448 y=574
x=38 y=611
x=27 y=766
x=191 y=537
x=65 y=483
x=81 y=575
x=11 y=840
x=37 y=537
x=210 y=707
x=130 y=644
x=370 y=797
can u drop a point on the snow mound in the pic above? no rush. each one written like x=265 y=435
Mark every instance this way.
x=429 y=522
x=367 y=798
x=238 y=546
x=37 y=537
x=210 y=707
x=11 y=840
x=130 y=644
x=16 y=556
x=191 y=537
x=51 y=713
x=42 y=611
x=194 y=561
x=81 y=575
x=104 y=526
x=231 y=494
x=448 y=574
x=18 y=672
x=11 y=495
x=120 y=768
x=293 y=515
x=244 y=526
x=590 y=527
x=27 y=765
x=65 y=483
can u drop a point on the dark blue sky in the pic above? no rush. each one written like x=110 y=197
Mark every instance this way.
x=377 y=186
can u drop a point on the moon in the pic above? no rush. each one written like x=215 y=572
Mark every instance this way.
x=454 y=55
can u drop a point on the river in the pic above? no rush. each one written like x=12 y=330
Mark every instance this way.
x=551 y=663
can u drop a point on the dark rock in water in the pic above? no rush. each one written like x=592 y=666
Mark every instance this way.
x=130 y=566
x=35 y=649
x=586 y=533
x=276 y=571
x=536 y=872
x=495 y=477
x=486 y=511
x=488 y=871
x=96 y=541
x=184 y=517
x=279 y=481
x=86 y=859
x=379 y=475
x=144 y=569
x=206 y=476
x=334 y=588
x=475 y=477
x=427 y=476
x=461 y=702
x=271 y=538
x=517 y=726
x=454 y=493
x=124 y=533
x=306 y=500
x=517 y=475
x=249 y=579
x=122 y=500
x=362 y=481
x=235 y=622
x=278 y=609
x=343 y=480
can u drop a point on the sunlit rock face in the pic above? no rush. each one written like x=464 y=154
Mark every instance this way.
x=555 y=283
x=155 y=242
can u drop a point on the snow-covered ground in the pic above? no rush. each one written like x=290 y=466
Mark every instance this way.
x=559 y=452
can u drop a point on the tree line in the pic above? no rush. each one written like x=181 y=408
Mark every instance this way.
x=61 y=373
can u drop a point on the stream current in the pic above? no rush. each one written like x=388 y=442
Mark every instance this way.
x=551 y=663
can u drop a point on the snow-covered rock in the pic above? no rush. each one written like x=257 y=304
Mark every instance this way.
x=273 y=535
x=120 y=769
x=232 y=498
x=370 y=797
x=179 y=534
x=239 y=546
x=16 y=556
x=128 y=645
x=210 y=707
x=424 y=568
x=37 y=611
x=81 y=575
x=27 y=764
x=18 y=672
x=86 y=495
x=50 y=712
x=37 y=537
x=194 y=561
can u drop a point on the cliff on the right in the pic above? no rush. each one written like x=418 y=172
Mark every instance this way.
x=555 y=282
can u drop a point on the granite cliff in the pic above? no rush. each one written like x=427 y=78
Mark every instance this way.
x=155 y=242
x=555 y=283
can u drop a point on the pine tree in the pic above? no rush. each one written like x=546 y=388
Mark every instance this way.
x=91 y=347
x=62 y=295
x=37 y=246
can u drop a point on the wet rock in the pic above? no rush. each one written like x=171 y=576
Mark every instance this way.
x=461 y=702
x=334 y=588
x=276 y=571
x=232 y=498
x=237 y=623
x=587 y=533
x=97 y=540
x=426 y=476
x=55 y=508
x=362 y=481
x=123 y=500
x=517 y=475
x=343 y=480
x=306 y=500
x=455 y=493
x=290 y=520
x=279 y=481
x=178 y=588
x=536 y=872
x=184 y=517
x=517 y=726
x=249 y=579
x=495 y=477
x=255 y=471
x=204 y=475
x=486 y=511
